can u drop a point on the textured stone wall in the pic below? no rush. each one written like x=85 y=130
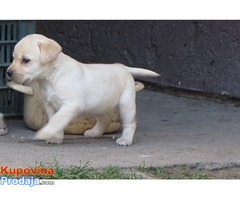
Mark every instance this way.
x=194 y=55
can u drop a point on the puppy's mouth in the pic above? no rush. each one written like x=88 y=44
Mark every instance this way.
x=16 y=78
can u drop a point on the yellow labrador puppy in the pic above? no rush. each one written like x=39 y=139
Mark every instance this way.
x=71 y=88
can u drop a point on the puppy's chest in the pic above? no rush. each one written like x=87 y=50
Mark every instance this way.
x=51 y=96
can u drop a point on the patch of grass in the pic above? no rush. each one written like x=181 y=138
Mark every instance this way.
x=86 y=172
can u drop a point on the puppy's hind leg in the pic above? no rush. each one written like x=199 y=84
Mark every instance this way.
x=101 y=125
x=127 y=108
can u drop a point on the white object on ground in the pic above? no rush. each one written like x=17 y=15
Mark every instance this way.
x=3 y=127
x=21 y=88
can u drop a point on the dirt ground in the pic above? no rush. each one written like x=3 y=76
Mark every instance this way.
x=189 y=172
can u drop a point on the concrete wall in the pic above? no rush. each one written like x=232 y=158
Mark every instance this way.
x=194 y=55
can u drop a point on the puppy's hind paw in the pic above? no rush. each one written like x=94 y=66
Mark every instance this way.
x=93 y=134
x=123 y=142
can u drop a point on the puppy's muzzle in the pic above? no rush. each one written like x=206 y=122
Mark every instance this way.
x=9 y=73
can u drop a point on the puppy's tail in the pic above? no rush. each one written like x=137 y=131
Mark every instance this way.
x=141 y=72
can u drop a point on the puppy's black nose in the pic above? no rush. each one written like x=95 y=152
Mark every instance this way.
x=9 y=73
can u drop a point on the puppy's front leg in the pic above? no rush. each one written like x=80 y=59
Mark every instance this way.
x=50 y=110
x=52 y=132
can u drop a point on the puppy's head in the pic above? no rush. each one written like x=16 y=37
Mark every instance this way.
x=32 y=56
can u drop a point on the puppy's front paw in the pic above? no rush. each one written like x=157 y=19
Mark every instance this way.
x=49 y=138
x=43 y=135
x=54 y=141
x=123 y=141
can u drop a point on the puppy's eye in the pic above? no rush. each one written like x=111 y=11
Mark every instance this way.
x=25 y=60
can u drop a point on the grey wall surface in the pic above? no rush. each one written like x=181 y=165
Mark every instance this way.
x=193 y=55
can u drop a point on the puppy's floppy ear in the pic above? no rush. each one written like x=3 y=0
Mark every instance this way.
x=49 y=50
